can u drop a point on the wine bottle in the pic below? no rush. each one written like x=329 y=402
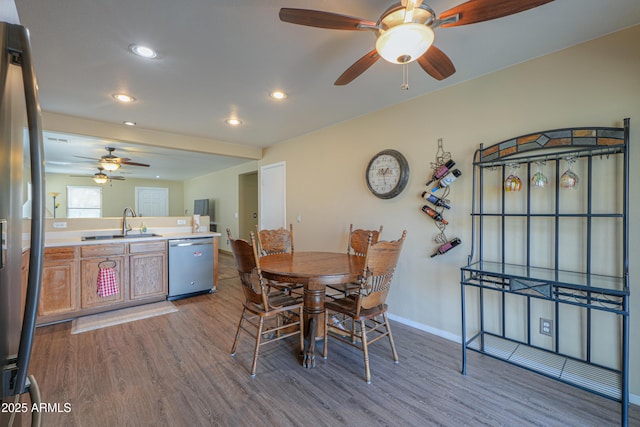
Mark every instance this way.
x=433 y=214
x=447 y=247
x=435 y=200
x=441 y=171
x=447 y=180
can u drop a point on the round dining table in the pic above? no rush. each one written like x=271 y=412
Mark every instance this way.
x=313 y=270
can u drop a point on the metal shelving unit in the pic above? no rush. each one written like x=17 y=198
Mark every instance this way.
x=543 y=252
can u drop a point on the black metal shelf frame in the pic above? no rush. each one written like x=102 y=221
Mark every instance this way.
x=509 y=284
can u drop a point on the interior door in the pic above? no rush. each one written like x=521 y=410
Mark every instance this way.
x=273 y=201
x=247 y=204
x=152 y=201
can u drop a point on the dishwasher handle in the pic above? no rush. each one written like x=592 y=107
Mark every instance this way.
x=183 y=243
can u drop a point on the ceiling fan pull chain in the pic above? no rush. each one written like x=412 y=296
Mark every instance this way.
x=405 y=77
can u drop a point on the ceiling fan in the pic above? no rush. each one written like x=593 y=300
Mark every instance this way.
x=111 y=162
x=404 y=32
x=101 y=177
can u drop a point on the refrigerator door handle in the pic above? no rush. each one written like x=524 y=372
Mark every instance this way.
x=3 y=242
x=20 y=35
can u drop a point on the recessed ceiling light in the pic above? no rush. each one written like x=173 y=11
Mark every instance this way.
x=128 y=123
x=233 y=122
x=123 y=97
x=143 y=51
x=277 y=94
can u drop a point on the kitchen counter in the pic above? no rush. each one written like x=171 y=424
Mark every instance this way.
x=75 y=238
x=71 y=267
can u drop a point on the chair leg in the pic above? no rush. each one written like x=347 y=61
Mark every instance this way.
x=235 y=341
x=393 y=346
x=365 y=350
x=325 y=350
x=301 y=319
x=256 y=351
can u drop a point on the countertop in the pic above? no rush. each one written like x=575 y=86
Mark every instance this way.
x=74 y=238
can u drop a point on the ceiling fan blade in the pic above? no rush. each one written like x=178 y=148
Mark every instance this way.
x=436 y=63
x=320 y=19
x=358 y=67
x=134 y=164
x=88 y=158
x=474 y=11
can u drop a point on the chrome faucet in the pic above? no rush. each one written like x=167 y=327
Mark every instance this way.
x=126 y=227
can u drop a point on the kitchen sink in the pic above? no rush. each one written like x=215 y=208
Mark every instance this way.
x=121 y=236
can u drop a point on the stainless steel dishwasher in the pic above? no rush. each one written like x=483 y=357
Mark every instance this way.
x=190 y=267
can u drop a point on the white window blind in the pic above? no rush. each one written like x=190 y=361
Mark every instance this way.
x=84 y=202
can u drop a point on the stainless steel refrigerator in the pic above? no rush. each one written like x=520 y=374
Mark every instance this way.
x=21 y=212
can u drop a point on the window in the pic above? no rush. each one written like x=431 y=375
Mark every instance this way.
x=84 y=202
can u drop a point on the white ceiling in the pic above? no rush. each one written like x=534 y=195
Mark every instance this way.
x=222 y=58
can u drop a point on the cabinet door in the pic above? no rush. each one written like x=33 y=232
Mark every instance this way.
x=89 y=269
x=148 y=275
x=59 y=281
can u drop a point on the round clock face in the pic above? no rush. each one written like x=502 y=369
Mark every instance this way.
x=387 y=174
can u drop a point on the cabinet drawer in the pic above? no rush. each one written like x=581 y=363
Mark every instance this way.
x=59 y=254
x=156 y=246
x=102 y=250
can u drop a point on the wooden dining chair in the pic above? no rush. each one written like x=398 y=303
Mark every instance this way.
x=361 y=319
x=266 y=316
x=277 y=241
x=359 y=241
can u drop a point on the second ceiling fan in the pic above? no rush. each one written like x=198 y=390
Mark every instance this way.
x=404 y=32
x=111 y=162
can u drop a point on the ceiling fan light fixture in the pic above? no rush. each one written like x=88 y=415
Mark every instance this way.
x=100 y=178
x=404 y=43
x=109 y=165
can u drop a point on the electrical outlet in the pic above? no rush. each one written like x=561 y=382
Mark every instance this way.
x=546 y=326
x=182 y=222
x=59 y=225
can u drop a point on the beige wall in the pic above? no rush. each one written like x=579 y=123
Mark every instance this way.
x=223 y=188
x=593 y=84
x=115 y=196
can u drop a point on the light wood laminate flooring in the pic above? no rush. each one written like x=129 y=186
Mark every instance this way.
x=176 y=370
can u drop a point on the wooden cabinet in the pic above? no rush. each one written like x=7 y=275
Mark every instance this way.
x=91 y=258
x=70 y=277
x=148 y=272
x=59 y=281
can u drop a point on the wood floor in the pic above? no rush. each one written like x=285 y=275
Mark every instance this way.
x=175 y=370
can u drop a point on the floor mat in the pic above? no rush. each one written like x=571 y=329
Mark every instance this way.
x=103 y=320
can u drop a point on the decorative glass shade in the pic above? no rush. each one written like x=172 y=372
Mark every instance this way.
x=100 y=178
x=109 y=165
x=404 y=43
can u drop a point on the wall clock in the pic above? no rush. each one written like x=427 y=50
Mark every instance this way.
x=387 y=174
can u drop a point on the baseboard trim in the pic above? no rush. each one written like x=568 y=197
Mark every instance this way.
x=634 y=399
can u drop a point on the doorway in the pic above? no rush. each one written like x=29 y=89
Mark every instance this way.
x=152 y=201
x=273 y=197
x=247 y=204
